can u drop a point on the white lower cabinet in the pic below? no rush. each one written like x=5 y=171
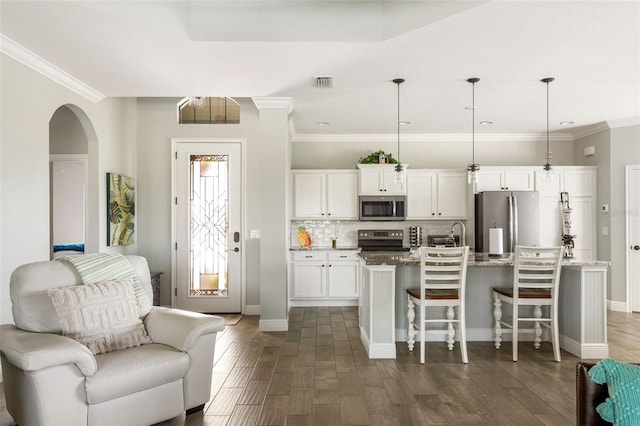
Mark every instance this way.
x=324 y=278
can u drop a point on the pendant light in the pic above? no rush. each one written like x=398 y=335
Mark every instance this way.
x=548 y=174
x=473 y=168
x=399 y=172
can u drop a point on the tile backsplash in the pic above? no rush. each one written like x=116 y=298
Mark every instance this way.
x=346 y=232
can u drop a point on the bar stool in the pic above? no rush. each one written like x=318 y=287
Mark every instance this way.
x=536 y=273
x=443 y=277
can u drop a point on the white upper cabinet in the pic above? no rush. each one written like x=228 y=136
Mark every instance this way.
x=309 y=195
x=505 y=179
x=379 y=179
x=436 y=194
x=342 y=195
x=580 y=184
x=578 y=181
x=325 y=194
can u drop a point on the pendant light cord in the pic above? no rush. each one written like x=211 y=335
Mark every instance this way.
x=547 y=165
x=398 y=121
x=547 y=153
x=473 y=122
x=398 y=81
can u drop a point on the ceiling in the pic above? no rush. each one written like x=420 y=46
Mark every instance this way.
x=277 y=48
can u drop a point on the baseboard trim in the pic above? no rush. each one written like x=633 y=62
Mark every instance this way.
x=377 y=350
x=273 y=325
x=315 y=303
x=613 y=305
x=584 y=350
x=251 y=310
x=473 y=335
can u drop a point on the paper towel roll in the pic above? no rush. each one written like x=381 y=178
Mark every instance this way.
x=495 y=241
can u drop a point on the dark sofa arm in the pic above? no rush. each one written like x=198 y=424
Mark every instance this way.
x=588 y=395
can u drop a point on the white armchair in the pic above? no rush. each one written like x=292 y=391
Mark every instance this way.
x=53 y=379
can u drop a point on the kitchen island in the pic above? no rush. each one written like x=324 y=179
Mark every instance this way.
x=383 y=303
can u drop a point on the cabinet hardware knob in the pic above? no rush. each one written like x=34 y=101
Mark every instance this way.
x=636 y=247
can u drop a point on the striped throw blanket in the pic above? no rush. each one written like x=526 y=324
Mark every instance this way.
x=99 y=267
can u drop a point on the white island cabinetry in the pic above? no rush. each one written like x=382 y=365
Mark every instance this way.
x=325 y=194
x=436 y=194
x=582 y=304
x=324 y=278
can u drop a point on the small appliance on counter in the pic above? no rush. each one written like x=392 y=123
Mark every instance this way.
x=381 y=240
x=443 y=240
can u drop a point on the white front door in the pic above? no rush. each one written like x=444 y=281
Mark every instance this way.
x=207 y=225
x=633 y=241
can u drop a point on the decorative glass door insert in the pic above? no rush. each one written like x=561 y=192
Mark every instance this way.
x=207 y=220
x=209 y=225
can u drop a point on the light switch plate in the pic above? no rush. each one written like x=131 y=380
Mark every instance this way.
x=254 y=233
x=605 y=230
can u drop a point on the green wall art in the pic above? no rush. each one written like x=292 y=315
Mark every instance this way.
x=121 y=209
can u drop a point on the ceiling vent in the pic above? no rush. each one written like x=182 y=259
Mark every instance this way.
x=324 y=82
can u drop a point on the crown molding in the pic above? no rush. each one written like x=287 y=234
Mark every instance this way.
x=433 y=137
x=585 y=131
x=36 y=63
x=624 y=122
x=274 y=102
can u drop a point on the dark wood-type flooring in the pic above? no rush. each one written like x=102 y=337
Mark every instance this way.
x=318 y=373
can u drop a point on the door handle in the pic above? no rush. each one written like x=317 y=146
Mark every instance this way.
x=236 y=237
x=636 y=247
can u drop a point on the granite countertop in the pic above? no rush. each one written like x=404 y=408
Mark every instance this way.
x=405 y=258
x=323 y=248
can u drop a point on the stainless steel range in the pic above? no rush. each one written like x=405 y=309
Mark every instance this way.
x=381 y=240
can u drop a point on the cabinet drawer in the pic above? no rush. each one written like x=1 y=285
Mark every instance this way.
x=309 y=255
x=343 y=255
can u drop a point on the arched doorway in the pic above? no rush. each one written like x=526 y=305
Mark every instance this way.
x=73 y=189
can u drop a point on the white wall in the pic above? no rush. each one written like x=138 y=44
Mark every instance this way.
x=448 y=152
x=157 y=124
x=602 y=159
x=614 y=149
x=625 y=150
x=68 y=187
x=27 y=102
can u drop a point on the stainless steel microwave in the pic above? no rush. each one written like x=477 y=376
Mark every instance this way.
x=382 y=207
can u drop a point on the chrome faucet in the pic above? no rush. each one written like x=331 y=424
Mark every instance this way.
x=463 y=235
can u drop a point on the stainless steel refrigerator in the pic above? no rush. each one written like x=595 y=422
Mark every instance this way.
x=516 y=212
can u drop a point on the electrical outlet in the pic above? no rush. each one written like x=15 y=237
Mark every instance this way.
x=605 y=230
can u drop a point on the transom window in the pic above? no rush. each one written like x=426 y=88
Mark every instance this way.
x=205 y=110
